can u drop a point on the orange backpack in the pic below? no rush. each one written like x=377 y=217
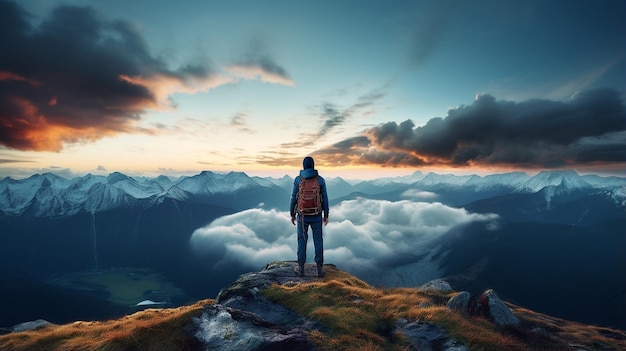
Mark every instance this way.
x=309 y=197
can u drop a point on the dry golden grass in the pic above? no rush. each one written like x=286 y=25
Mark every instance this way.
x=357 y=316
x=573 y=333
x=152 y=329
x=353 y=315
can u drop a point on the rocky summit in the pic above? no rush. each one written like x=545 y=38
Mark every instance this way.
x=276 y=309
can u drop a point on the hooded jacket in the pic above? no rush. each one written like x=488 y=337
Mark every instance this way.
x=309 y=172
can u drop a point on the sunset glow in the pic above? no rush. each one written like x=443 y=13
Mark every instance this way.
x=368 y=89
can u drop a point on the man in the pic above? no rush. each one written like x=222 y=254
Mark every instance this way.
x=307 y=218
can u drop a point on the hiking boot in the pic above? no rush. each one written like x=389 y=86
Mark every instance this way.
x=301 y=270
x=320 y=271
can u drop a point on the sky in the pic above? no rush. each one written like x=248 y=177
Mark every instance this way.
x=368 y=88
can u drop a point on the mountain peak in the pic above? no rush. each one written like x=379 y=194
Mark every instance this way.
x=116 y=177
x=568 y=180
x=276 y=309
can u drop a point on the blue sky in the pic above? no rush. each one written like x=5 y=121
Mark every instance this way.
x=368 y=88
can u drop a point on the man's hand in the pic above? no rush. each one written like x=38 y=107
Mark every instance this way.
x=325 y=220
x=293 y=220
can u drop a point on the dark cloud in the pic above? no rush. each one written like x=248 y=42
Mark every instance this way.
x=76 y=77
x=589 y=128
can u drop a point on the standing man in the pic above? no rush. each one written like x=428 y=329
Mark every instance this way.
x=309 y=203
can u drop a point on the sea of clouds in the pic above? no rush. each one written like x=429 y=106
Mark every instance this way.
x=361 y=234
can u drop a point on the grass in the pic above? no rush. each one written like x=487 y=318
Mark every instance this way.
x=351 y=314
x=152 y=329
x=356 y=316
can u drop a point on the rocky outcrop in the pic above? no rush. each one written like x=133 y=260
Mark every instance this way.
x=488 y=305
x=243 y=319
x=425 y=336
x=32 y=325
x=226 y=329
x=495 y=308
x=437 y=285
x=245 y=292
x=461 y=303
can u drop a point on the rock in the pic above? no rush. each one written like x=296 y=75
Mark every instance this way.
x=224 y=328
x=243 y=319
x=32 y=325
x=281 y=272
x=245 y=292
x=460 y=303
x=495 y=308
x=438 y=285
x=425 y=336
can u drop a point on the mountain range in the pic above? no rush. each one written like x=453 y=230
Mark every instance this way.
x=557 y=246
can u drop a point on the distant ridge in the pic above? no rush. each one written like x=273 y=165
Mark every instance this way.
x=49 y=195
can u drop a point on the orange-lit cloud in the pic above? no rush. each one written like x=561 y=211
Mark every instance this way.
x=31 y=130
x=589 y=129
x=163 y=86
x=10 y=76
x=76 y=78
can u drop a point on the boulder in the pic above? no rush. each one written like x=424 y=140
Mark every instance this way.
x=281 y=272
x=32 y=325
x=437 y=285
x=425 y=336
x=460 y=303
x=245 y=293
x=226 y=329
x=243 y=319
x=495 y=309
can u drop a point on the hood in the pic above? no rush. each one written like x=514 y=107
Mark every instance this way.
x=308 y=173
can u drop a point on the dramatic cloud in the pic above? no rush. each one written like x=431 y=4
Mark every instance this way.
x=77 y=78
x=590 y=129
x=362 y=234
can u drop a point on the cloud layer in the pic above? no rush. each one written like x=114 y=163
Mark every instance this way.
x=590 y=128
x=362 y=234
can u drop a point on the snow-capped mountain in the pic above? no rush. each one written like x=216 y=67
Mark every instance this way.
x=566 y=181
x=49 y=195
x=51 y=224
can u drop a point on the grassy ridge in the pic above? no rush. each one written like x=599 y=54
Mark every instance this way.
x=152 y=329
x=352 y=316
x=360 y=317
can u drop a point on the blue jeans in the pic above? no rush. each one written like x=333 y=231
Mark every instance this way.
x=303 y=237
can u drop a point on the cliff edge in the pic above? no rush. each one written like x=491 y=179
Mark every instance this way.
x=275 y=309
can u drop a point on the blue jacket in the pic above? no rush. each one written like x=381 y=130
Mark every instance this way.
x=309 y=173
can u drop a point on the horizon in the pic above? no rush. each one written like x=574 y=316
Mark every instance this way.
x=368 y=89
x=69 y=175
